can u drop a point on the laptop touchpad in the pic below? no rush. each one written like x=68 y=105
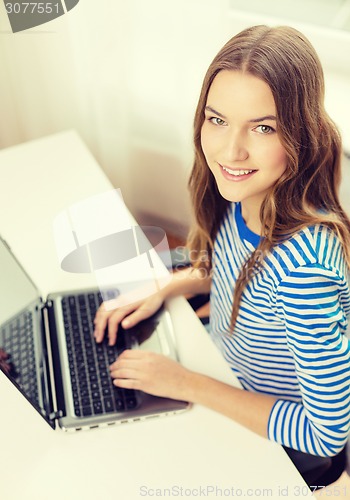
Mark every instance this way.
x=147 y=335
x=150 y=335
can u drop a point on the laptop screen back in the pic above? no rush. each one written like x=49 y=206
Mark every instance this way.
x=16 y=289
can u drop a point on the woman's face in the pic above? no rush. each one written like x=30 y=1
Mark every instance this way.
x=239 y=138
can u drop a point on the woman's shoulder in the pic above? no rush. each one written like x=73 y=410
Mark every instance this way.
x=313 y=246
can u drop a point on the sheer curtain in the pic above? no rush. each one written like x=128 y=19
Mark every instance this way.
x=126 y=76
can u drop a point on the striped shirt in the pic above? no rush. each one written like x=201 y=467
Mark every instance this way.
x=289 y=337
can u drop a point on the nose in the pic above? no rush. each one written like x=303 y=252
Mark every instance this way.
x=235 y=148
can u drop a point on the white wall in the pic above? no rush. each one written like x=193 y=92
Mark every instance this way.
x=127 y=76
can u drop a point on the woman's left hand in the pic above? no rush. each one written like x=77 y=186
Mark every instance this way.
x=152 y=373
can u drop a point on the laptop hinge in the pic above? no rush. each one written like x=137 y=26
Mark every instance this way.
x=56 y=414
x=52 y=361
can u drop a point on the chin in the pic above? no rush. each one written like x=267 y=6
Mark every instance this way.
x=227 y=195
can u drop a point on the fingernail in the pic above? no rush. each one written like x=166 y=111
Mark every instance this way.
x=126 y=322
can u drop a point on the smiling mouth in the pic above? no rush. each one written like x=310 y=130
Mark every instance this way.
x=237 y=173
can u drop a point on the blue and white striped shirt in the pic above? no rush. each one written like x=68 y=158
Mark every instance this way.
x=289 y=337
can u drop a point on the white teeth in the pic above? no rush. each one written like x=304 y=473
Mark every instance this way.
x=237 y=172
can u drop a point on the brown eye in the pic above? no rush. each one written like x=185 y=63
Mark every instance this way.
x=217 y=121
x=264 y=129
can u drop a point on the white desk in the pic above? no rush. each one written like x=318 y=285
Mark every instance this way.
x=197 y=449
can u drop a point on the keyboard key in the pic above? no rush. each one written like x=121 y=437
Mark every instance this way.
x=97 y=405
x=129 y=393
x=108 y=404
x=119 y=403
x=83 y=382
x=86 y=411
x=131 y=403
x=106 y=391
x=81 y=299
x=71 y=301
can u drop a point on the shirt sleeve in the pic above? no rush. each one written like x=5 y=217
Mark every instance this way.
x=312 y=302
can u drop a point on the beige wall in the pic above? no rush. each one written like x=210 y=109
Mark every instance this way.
x=127 y=76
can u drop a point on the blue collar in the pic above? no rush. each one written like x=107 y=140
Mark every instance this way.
x=244 y=232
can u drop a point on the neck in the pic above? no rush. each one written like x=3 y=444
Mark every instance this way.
x=251 y=216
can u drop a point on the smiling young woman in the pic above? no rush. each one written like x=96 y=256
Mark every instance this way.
x=264 y=188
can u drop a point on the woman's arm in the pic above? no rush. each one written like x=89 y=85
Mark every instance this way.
x=319 y=424
x=252 y=410
x=187 y=281
x=124 y=310
x=313 y=301
x=161 y=376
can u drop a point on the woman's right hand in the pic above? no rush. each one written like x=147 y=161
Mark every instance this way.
x=127 y=315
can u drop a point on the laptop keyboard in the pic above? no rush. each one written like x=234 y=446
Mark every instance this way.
x=93 y=390
x=17 y=340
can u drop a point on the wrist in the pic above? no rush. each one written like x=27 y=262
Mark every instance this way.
x=164 y=293
x=191 y=384
x=171 y=288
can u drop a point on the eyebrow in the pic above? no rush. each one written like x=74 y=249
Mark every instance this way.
x=253 y=120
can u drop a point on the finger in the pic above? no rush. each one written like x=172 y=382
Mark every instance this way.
x=114 y=321
x=113 y=325
x=135 y=317
x=123 y=359
x=100 y=326
x=136 y=359
x=125 y=373
x=111 y=318
x=126 y=383
x=134 y=354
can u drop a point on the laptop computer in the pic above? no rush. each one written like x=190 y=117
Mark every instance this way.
x=48 y=352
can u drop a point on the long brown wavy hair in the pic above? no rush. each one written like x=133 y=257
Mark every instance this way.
x=307 y=192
